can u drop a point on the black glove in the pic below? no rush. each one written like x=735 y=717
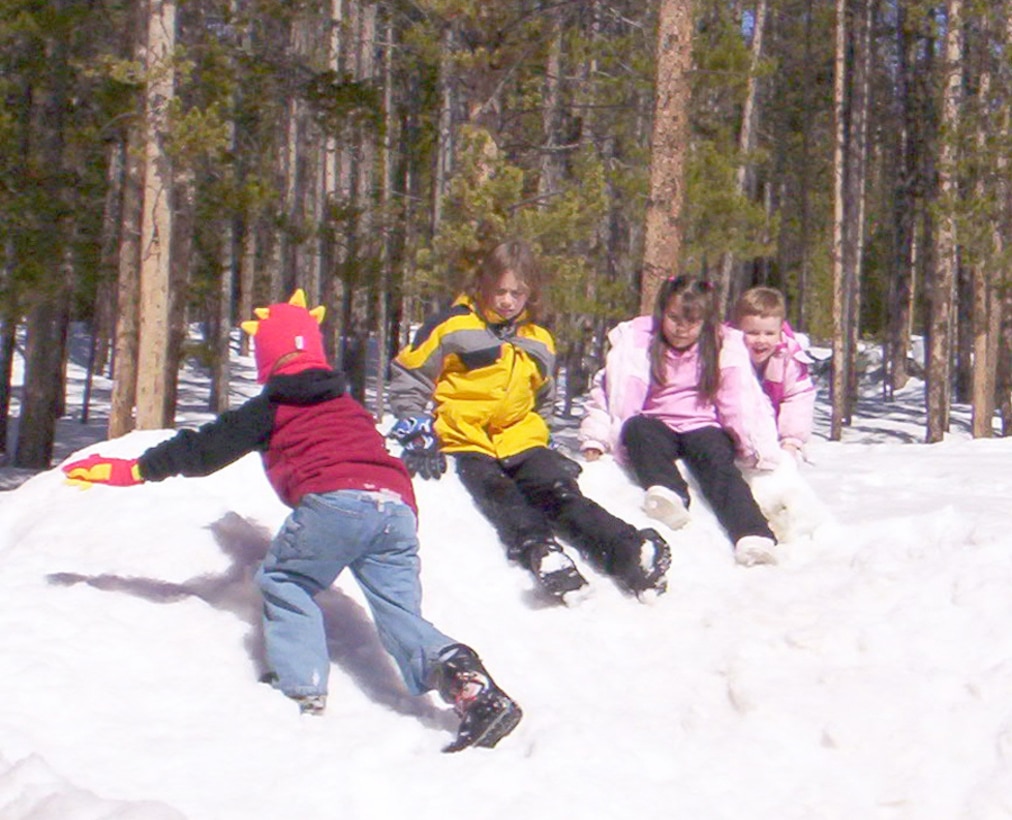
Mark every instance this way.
x=425 y=463
x=420 y=447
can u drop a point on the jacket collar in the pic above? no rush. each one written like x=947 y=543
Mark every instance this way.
x=502 y=328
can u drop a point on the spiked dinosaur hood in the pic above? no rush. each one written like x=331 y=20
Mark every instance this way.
x=287 y=338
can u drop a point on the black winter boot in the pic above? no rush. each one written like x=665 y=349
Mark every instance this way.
x=643 y=568
x=487 y=714
x=553 y=570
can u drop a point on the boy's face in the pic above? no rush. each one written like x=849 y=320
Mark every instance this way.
x=509 y=296
x=762 y=335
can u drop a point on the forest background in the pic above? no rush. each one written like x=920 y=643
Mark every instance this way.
x=168 y=165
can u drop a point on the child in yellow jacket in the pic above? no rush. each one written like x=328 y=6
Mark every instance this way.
x=477 y=383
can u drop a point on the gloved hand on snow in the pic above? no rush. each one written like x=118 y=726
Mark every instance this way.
x=420 y=452
x=96 y=469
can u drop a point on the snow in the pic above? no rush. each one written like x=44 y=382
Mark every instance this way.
x=867 y=674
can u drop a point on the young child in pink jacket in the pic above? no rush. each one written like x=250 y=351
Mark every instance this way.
x=680 y=385
x=780 y=363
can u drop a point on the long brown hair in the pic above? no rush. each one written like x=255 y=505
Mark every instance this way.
x=698 y=302
x=512 y=255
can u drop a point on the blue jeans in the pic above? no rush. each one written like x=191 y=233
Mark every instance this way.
x=373 y=534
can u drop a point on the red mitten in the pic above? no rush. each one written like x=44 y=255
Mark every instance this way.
x=96 y=469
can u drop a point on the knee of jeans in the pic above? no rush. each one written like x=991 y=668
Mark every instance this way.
x=271 y=581
x=267 y=579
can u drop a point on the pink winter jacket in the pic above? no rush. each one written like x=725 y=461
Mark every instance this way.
x=786 y=381
x=622 y=390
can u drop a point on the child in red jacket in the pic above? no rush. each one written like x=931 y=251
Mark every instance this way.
x=353 y=507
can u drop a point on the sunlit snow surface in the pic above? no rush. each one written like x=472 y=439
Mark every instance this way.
x=867 y=675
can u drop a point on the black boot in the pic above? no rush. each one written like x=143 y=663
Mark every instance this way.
x=642 y=569
x=554 y=571
x=487 y=714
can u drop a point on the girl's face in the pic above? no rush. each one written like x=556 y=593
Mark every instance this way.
x=762 y=335
x=508 y=298
x=680 y=330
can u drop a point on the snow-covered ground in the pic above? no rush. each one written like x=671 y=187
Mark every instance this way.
x=868 y=675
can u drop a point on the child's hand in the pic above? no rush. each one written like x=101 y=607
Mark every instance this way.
x=413 y=432
x=591 y=454
x=425 y=463
x=420 y=447
x=96 y=469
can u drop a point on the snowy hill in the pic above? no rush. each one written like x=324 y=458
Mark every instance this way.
x=867 y=675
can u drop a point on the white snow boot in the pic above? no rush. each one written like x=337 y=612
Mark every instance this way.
x=666 y=506
x=750 y=550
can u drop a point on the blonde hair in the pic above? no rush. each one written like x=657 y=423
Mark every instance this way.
x=759 y=301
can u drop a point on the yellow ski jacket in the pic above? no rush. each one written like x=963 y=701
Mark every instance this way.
x=491 y=385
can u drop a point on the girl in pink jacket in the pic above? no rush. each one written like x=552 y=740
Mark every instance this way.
x=680 y=384
x=780 y=363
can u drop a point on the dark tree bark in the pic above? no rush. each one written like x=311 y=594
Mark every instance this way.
x=662 y=243
x=942 y=288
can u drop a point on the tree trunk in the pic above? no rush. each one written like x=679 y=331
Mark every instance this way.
x=329 y=169
x=1004 y=375
x=124 y=365
x=104 y=327
x=841 y=304
x=939 y=353
x=294 y=181
x=222 y=342
x=902 y=275
x=43 y=385
x=805 y=173
x=184 y=196
x=962 y=332
x=45 y=148
x=730 y=286
x=383 y=294
x=8 y=338
x=986 y=298
x=124 y=387
x=247 y=277
x=156 y=221
x=856 y=191
x=984 y=351
x=663 y=229
x=550 y=163
x=1001 y=307
x=444 y=129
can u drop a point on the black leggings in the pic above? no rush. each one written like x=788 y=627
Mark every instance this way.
x=709 y=454
x=529 y=496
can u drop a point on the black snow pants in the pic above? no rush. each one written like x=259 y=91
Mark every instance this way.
x=652 y=448
x=533 y=495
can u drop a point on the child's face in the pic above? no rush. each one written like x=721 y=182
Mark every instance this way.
x=509 y=296
x=762 y=335
x=680 y=331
